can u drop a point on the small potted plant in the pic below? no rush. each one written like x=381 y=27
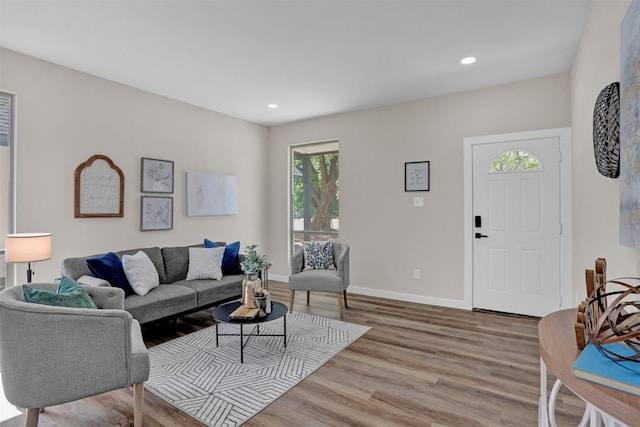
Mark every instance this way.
x=251 y=265
x=253 y=262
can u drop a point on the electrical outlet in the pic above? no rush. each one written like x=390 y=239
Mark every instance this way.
x=418 y=202
x=416 y=274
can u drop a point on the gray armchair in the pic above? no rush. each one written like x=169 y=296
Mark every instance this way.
x=335 y=281
x=53 y=355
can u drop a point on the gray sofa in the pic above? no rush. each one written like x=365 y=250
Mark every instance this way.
x=175 y=296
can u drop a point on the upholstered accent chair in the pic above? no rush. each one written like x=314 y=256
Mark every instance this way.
x=321 y=280
x=52 y=355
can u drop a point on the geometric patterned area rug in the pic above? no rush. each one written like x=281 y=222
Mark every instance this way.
x=210 y=384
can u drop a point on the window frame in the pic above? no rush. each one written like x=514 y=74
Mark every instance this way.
x=332 y=147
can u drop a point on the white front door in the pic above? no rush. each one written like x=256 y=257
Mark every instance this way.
x=517 y=226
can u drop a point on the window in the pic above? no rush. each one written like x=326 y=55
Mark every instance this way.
x=515 y=161
x=5 y=119
x=8 y=183
x=314 y=192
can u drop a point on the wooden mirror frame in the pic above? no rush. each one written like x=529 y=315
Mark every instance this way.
x=78 y=185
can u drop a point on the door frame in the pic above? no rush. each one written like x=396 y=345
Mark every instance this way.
x=564 y=136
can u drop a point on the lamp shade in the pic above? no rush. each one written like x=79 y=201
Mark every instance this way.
x=27 y=247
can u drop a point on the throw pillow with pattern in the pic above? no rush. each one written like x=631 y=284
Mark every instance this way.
x=318 y=256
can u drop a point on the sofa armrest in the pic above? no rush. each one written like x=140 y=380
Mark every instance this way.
x=106 y=297
x=342 y=263
x=297 y=260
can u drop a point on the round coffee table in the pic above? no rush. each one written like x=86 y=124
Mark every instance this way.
x=221 y=314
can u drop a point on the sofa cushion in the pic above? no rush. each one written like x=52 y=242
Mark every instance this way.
x=318 y=256
x=230 y=262
x=214 y=291
x=76 y=267
x=176 y=262
x=308 y=281
x=140 y=272
x=161 y=302
x=69 y=294
x=205 y=263
x=109 y=268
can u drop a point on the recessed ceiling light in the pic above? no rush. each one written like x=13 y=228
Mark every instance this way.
x=468 y=60
x=272 y=106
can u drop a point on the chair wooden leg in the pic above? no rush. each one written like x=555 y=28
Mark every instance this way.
x=345 y=299
x=138 y=399
x=340 y=304
x=291 y=295
x=308 y=293
x=31 y=417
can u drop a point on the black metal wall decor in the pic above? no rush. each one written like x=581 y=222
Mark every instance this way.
x=606 y=131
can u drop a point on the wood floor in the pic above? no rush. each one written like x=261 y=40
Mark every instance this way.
x=419 y=365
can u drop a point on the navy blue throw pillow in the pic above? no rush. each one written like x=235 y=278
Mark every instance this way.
x=109 y=267
x=230 y=263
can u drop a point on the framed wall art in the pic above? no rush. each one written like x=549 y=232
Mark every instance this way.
x=211 y=194
x=629 y=127
x=98 y=189
x=156 y=176
x=156 y=213
x=416 y=176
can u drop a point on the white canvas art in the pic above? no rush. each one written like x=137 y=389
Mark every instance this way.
x=211 y=194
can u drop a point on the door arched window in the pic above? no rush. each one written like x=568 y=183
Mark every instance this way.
x=515 y=161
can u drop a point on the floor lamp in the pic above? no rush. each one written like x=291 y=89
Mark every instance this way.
x=28 y=247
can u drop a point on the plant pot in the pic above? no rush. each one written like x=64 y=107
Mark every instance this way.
x=250 y=283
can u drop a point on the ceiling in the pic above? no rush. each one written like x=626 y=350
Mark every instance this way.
x=311 y=57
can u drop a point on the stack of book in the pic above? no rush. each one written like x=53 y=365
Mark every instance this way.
x=594 y=366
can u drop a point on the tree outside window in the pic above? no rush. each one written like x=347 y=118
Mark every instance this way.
x=315 y=201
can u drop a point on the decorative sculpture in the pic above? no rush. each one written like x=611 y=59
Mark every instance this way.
x=612 y=313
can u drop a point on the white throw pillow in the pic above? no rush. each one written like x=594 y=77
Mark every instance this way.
x=92 y=281
x=141 y=273
x=205 y=263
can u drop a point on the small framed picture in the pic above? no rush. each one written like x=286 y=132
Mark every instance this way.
x=156 y=213
x=156 y=176
x=416 y=176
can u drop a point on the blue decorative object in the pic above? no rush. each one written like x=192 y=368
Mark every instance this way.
x=594 y=366
x=230 y=260
x=109 y=267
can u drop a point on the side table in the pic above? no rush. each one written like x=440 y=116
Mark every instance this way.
x=265 y=276
x=558 y=351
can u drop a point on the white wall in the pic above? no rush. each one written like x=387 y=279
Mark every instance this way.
x=65 y=116
x=596 y=197
x=390 y=238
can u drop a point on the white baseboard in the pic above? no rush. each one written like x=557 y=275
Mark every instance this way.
x=420 y=299
x=279 y=278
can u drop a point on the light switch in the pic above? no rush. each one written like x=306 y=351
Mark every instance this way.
x=418 y=202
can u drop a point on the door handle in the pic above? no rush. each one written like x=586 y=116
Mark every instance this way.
x=480 y=236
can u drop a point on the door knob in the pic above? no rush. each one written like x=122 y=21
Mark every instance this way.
x=480 y=236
